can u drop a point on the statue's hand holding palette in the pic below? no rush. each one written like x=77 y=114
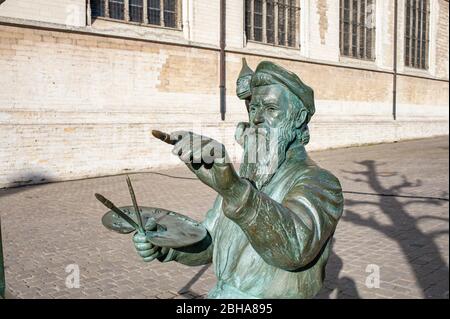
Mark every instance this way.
x=161 y=227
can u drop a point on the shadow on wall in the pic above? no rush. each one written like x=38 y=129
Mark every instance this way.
x=33 y=177
x=418 y=247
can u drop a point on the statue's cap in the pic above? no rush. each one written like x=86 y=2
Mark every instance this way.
x=243 y=89
x=245 y=70
x=289 y=79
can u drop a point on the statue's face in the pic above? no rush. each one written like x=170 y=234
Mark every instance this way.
x=269 y=107
x=271 y=131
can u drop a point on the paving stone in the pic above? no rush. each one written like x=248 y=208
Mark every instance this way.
x=49 y=227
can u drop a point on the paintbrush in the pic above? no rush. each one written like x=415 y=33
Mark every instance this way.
x=115 y=209
x=135 y=205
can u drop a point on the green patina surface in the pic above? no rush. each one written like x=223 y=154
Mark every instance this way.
x=270 y=229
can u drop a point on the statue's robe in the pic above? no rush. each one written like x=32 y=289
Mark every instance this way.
x=275 y=241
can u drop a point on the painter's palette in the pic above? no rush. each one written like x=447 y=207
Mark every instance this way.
x=173 y=230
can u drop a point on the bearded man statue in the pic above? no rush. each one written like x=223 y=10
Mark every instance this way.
x=271 y=226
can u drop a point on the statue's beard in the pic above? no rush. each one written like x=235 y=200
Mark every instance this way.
x=264 y=152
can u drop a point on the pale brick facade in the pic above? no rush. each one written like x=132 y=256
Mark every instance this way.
x=80 y=100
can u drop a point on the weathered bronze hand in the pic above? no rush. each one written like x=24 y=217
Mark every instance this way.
x=205 y=157
x=145 y=249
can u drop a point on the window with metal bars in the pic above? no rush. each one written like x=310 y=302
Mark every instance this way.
x=165 y=13
x=136 y=10
x=357 y=29
x=273 y=22
x=417 y=20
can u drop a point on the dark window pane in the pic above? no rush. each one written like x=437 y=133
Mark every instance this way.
x=407 y=31
x=136 y=10
x=248 y=19
x=357 y=28
x=419 y=33
x=258 y=20
x=116 y=9
x=347 y=5
x=346 y=27
x=170 y=19
x=368 y=45
x=154 y=12
x=281 y=23
x=98 y=8
x=416 y=33
x=362 y=31
x=413 y=33
x=170 y=5
x=425 y=35
x=170 y=13
x=292 y=23
x=270 y=22
x=341 y=27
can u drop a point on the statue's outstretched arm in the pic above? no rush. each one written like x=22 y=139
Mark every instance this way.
x=288 y=235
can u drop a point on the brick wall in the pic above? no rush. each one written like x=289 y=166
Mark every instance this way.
x=76 y=105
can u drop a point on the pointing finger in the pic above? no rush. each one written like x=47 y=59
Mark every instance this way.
x=164 y=137
x=182 y=146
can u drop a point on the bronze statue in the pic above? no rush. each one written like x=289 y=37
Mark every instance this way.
x=270 y=229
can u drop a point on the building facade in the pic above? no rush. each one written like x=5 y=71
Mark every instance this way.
x=83 y=83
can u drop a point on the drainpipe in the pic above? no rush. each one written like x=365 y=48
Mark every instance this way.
x=394 y=84
x=223 y=107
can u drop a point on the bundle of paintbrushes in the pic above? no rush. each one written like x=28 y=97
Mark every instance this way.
x=139 y=225
x=161 y=227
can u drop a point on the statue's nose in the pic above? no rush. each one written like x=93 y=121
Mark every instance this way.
x=258 y=119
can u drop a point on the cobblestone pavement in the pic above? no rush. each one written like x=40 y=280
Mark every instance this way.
x=396 y=218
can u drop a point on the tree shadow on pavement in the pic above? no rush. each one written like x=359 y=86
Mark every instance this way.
x=418 y=247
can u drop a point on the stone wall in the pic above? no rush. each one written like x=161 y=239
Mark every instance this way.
x=67 y=12
x=80 y=101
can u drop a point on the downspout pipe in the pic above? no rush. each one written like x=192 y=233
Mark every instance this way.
x=394 y=84
x=223 y=106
